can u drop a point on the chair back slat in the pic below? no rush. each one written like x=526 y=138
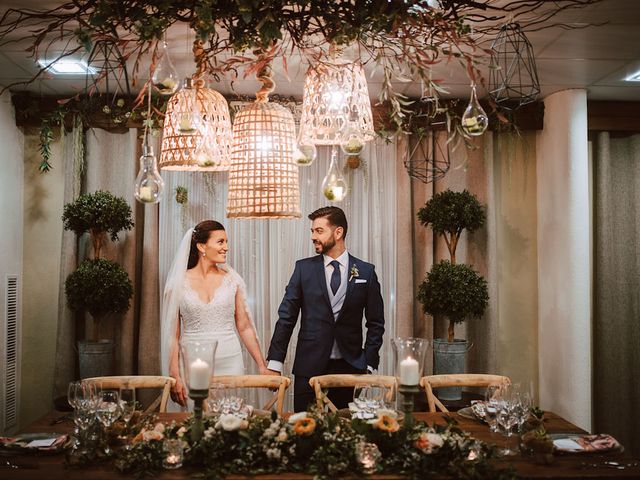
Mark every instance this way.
x=321 y=383
x=279 y=383
x=431 y=382
x=138 y=382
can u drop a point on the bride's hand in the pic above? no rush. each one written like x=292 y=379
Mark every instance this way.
x=179 y=392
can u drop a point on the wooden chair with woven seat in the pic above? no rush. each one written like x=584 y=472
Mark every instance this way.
x=321 y=383
x=272 y=382
x=431 y=382
x=139 y=382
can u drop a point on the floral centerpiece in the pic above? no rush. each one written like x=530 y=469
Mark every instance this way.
x=321 y=445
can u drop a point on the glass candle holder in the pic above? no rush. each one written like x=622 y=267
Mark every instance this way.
x=368 y=456
x=410 y=354
x=174 y=453
x=198 y=359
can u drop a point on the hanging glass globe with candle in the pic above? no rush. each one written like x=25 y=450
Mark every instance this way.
x=304 y=152
x=334 y=186
x=353 y=140
x=165 y=76
x=474 y=119
x=190 y=120
x=207 y=152
x=149 y=184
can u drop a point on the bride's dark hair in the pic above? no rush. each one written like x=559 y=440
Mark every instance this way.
x=201 y=234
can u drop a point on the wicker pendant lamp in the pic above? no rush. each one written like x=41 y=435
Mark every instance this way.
x=263 y=177
x=336 y=103
x=197 y=127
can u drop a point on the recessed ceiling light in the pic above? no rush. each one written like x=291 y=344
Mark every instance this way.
x=67 y=66
x=634 y=77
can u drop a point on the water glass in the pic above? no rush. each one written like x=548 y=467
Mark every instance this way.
x=215 y=399
x=361 y=394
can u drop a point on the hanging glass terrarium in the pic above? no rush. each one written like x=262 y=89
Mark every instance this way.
x=334 y=186
x=474 y=119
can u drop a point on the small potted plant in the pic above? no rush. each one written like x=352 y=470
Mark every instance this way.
x=451 y=290
x=99 y=286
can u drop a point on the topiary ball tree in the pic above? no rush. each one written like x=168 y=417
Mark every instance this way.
x=97 y=213
x=455 y=291
x=100 y=287
x=449 y=213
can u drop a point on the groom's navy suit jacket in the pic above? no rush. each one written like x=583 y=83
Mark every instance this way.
x=307 y=292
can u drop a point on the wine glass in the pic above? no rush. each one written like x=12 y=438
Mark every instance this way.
x=492 y=397
x=507 y=419
x=361 y=395
x=127 y=404
x=72 y=393
x=215 y=400
x=375 y=400
x=107 y=413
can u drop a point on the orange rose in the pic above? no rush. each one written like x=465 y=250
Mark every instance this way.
x=387 y=423
x=304 y=426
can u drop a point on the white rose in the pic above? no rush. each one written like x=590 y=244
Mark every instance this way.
x=435 y=440
x=229 y=422
x=159 y=427
x=297 y=416
x=152 y=435
x=282 y=436
x=181 y=431
x=208 y=433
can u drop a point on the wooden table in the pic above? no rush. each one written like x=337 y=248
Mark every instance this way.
x=575 y=466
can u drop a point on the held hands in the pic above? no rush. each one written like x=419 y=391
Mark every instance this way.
x=265 y=371
x=179 y=392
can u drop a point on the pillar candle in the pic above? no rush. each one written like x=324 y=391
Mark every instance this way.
x=199 y=372
x=409 y=372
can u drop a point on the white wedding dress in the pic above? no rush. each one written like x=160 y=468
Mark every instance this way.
x=216 y=320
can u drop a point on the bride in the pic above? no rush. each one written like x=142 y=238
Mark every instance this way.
x=205 y=299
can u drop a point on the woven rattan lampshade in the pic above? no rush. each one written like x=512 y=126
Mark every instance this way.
x=178 y=150
x=335 y=94
x=263 y=178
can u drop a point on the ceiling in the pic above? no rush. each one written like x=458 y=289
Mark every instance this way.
x=597 y=58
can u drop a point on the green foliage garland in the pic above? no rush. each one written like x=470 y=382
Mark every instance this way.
x=326 y=449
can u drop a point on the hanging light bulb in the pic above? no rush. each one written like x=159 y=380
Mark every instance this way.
x=304 y=152
x=334 y=186
x=474 y=119
x=190 y=119
x=165 y=76
x=149 y=184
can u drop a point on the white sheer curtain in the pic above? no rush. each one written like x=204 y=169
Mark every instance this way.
x=264 y=251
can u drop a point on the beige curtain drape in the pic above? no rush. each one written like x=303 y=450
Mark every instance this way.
x=112 y=164
x=616 y=171
x=501 y=172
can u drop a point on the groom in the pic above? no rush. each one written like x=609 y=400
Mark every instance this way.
x=333 y=290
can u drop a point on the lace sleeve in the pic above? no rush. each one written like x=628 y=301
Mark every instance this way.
x=242 y=288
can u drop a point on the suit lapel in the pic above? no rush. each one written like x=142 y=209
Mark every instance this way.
x=350 y=284
x=322 y=279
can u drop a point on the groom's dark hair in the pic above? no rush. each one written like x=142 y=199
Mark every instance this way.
x=334 y=215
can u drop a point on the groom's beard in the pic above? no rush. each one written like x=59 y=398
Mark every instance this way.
x=324 y=247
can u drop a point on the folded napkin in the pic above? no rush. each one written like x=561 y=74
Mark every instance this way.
x=587 y=443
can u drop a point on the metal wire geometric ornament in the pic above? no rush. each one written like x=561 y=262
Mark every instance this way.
x=107 y=66
x=513 y=76
x=427 y=160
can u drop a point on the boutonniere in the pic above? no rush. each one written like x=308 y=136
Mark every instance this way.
x=354 y=273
